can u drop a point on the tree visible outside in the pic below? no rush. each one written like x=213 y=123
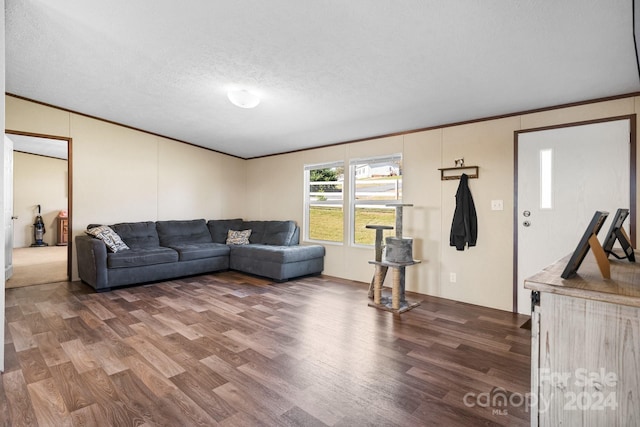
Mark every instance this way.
x=322 y=175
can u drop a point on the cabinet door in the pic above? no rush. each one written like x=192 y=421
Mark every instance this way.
x=589 y=366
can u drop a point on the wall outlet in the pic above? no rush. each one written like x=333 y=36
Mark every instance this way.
x=452 y=277
x=497 y=205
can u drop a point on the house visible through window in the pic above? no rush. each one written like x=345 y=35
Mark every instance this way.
x=375 y=182
x=324 y=210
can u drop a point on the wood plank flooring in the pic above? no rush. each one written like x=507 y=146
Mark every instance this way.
x=233 y=350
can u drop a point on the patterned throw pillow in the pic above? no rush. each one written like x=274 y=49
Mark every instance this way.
x=109 y=237
x=238 y=237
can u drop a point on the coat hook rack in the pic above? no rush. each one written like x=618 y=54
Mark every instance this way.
x=446 y=173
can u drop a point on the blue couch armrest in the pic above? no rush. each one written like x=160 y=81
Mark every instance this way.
x=92 y=261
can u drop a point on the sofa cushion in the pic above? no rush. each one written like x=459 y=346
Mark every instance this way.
x=138 y=235
x=257 y=230
x=141 y=257
x=278 y=233
x=218 y=228
x=279 y=254
x=188 y=252
x=110 y=238
x=183 y=232
x=238 y=237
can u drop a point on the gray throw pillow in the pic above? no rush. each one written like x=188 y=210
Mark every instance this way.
x=109 y=237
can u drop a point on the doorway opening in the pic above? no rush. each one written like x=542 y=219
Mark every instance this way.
x=38 y=219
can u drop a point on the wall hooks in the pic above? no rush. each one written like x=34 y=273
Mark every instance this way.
x=447 y=174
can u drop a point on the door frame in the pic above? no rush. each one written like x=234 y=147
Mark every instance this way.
x=632 y=184
x=69 y=187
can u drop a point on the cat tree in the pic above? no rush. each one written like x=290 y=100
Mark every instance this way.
x=398 y=254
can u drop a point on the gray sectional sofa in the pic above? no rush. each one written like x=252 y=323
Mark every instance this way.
x=168 y=249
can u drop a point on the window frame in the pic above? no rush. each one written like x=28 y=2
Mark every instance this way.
x=354 y=203
x=307 y=202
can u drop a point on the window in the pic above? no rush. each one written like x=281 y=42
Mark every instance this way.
x=546 y=179
x=324 y=211
x=375 y=182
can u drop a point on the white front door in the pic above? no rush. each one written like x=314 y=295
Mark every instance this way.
x=565 y=175
x=8 y=207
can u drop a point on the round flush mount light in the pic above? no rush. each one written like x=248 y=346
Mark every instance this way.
x=243 y=98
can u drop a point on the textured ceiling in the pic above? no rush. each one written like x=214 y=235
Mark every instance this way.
x=327 y=71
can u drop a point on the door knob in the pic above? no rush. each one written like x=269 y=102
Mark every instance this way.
x=526 y=214
x=526 y=223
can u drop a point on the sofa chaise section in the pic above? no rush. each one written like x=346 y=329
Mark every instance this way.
x=279 y=263
x=273 y=251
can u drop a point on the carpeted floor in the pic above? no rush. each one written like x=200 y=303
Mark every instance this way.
x=35 y=266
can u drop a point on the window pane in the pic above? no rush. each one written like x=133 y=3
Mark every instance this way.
x=546 y=183
x=325 y=216
x=376 y=182
x=372 y=215
x=326 y=223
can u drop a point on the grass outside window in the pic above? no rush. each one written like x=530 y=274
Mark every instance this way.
x=326 y=223
x=372 y=216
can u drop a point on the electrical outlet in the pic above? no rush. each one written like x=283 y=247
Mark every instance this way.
x=452 y=277
x=497 y=205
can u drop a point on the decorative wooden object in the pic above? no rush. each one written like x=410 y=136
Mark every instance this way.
x=471 y=171
x=63 y=231
x=601 y=257
x=585 y=367
x=587 y=242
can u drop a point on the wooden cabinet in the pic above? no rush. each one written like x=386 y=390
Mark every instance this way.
x=63 y=231
x=585 y=368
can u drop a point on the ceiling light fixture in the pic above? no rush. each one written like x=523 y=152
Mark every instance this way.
x=243 y=98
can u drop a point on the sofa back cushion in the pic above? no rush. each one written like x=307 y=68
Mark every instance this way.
x=295 y=239
x=279 y=233
x=218 y=228
x=138 y=235
x=181 y=232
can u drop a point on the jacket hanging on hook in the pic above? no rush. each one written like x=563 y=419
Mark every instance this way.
x=464 y=229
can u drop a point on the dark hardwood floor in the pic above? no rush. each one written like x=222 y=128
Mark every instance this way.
x=233 y=350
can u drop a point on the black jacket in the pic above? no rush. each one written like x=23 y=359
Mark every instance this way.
x=464 y=228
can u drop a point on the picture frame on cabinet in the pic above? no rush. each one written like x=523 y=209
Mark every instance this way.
x=588 y=241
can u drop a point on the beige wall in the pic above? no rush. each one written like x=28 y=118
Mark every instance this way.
x=37 y=180
x=123 y=175
x=485 y=272
x=120 y=175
